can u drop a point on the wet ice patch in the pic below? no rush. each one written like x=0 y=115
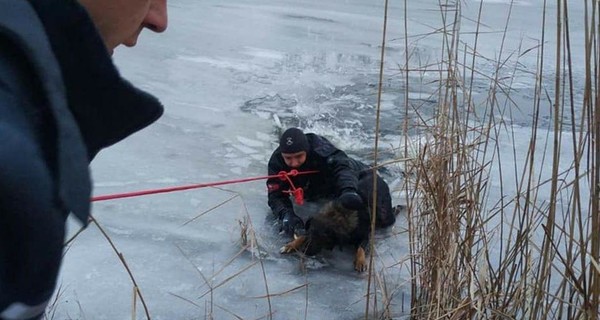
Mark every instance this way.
x=263 y=114
x=263 y=136
x=108 y=184
x=217 y=63
x=250 y=142
x=271 y=104
x=240 y=163
x=260 y=158
x=119 y=231
x=264 y=53
x=244 y=149
x=344 y=113
x=316 y=262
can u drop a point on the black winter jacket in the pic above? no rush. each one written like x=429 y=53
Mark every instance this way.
x=61 y=101
x=337 y=173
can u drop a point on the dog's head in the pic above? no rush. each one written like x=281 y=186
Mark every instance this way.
x=328 y=228
x=319 y=236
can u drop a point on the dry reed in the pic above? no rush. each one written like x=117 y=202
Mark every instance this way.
x=521 y=255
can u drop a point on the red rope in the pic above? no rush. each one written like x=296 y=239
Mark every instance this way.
x=282 y=175
x=298 y=193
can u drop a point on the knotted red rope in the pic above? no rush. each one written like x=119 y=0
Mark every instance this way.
x=298 y=193
x=282 y=175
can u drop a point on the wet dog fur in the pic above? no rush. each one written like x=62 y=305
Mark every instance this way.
x=336 y=226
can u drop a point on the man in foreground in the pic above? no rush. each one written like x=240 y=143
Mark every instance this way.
x=61 y=101
x=338 y=178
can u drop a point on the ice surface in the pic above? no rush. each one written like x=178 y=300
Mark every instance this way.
x=231 y=74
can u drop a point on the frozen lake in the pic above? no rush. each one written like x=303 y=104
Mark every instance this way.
x=229 y=73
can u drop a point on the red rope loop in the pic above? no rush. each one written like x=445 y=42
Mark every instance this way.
x=298 y=193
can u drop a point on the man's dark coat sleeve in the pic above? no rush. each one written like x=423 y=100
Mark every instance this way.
x=29 y=219
x=342 y=169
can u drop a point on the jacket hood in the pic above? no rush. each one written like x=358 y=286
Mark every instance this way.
x=106 y=107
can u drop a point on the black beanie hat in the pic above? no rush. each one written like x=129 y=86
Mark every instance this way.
x=293 y=140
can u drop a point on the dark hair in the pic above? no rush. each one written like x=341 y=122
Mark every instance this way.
x=293 y=140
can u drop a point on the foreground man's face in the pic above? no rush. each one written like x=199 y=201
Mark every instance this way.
x=122 y=21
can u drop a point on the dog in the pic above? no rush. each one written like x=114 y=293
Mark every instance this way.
x=336 y=226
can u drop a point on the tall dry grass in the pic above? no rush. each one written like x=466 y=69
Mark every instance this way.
x=494 y=234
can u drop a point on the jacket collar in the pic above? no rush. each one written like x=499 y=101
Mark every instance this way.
x=106 y=107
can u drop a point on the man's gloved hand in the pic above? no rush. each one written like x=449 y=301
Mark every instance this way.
x=350 y=200
x=291 y=223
